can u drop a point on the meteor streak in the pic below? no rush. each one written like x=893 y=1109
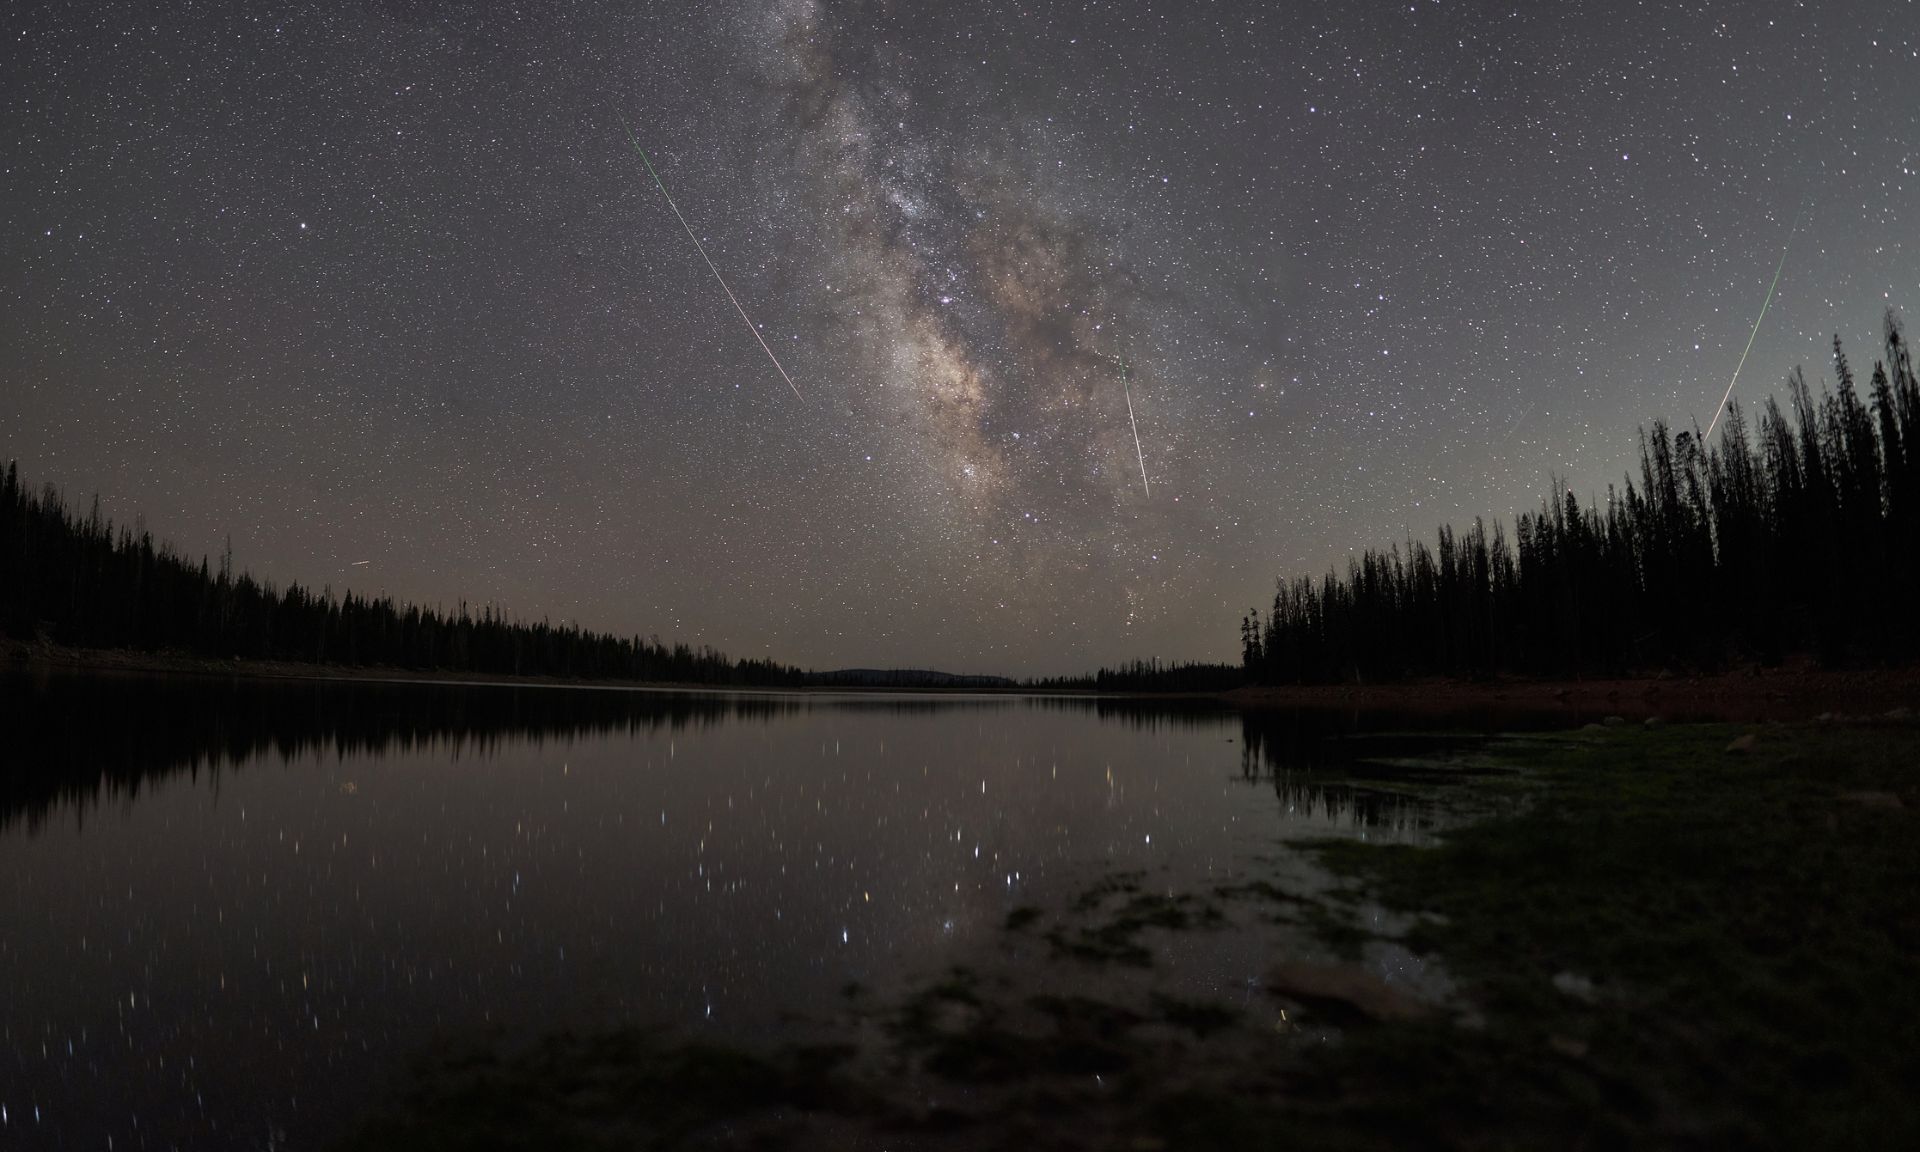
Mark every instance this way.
x=1136 y=428
x=1515 y=427
x=1756 y=326
x=703 y=255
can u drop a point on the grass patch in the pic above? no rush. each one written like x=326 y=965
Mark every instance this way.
x=1671 y=941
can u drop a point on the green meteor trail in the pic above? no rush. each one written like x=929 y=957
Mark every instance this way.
x=1756 y=327
x=635 y=141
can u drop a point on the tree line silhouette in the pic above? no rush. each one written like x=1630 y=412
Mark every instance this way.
x=1801 y=540
x=1147 y=676
x=79 y=581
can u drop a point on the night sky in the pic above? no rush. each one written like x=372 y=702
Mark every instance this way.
x=383 y=290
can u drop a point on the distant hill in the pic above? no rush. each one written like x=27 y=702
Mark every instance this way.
x=903 y=678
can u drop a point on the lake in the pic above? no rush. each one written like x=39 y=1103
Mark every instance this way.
x=234 y=912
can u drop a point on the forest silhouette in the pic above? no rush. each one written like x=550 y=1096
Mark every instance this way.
x=78 y=581
x=1799 y=541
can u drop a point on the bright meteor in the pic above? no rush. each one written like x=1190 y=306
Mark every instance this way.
x=703 y=255
x=1756 y=327
x=1136 y=428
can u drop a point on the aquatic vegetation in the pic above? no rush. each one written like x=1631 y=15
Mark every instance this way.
x=1667 y=943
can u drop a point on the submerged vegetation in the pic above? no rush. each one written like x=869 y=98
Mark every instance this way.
x=1673 y=935
x=1802 y=541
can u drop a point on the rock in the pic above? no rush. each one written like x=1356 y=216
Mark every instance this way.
x=1560 y=693
x=1742 y=743
x=1901 y=713
x=1575 y=985
x=1354 y=987
x=1569 y=1047
x=1655 y=722
x=1615 y=721
x=1824 y=718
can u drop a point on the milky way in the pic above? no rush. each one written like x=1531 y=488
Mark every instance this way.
x=381 y=291
x=973 y=305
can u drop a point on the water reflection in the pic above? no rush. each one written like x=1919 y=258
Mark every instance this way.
x=75 y=741
x=232 y=909
x=1335 y=810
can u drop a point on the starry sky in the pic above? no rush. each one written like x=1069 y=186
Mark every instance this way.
x=383 y=291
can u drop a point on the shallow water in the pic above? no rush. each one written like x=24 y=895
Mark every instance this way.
x=231 y=912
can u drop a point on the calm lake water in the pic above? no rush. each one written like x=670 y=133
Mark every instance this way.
x=231 y=912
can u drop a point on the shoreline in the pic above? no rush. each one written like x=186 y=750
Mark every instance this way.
x=1785 y=693
x=130 y=661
